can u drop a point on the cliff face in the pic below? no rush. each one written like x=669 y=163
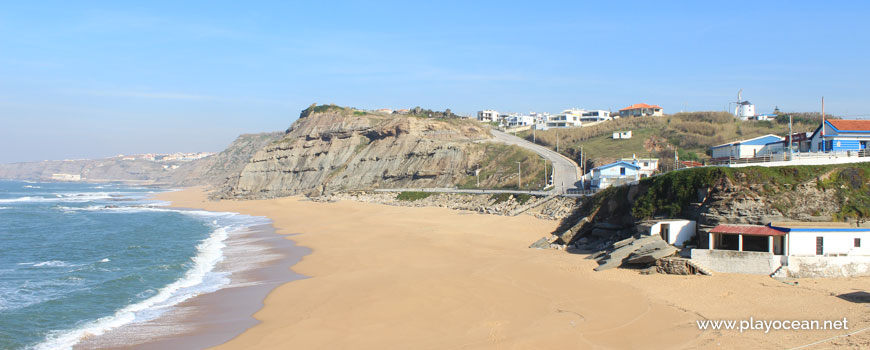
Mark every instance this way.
x=337 y=149
x=713 y=196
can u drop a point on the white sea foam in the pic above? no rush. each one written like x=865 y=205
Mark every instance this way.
x=105 y=260
x=49 y=263
x=200 y=278
x=2 y=208
x=64 y=197
x=20 y=199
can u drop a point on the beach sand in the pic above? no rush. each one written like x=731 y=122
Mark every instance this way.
x=385 y=277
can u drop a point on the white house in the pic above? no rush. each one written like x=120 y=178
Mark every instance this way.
x=515 y=120
x=802 y=249
x=615 y=174
x=641 y=110
x=595 y=116
x=744 y=149
x=487 y=116
x=569 y=118
x=621 y=135
x=648 y=166
x=675 y=232
x=840 y=135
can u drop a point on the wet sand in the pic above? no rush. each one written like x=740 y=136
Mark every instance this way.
x=384 y=277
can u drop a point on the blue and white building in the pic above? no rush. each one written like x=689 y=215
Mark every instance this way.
x=750 y=148
x=615 y=174
x=840 y=135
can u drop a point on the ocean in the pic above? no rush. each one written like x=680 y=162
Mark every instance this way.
x=78 y=260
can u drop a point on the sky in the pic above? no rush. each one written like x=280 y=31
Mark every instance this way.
x=81 y=79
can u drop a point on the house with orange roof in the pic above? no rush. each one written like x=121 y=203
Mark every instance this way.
x=641 y=110
x=841 y=135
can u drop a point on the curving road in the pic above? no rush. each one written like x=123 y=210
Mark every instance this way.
x=567 y=173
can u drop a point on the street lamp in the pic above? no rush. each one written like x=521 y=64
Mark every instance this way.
x=519 y=175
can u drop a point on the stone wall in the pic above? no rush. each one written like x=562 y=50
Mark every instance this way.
x=732 y=261
x=554 y=209
x=828 y=266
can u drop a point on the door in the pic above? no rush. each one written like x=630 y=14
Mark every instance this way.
x=666 y=232
x=820 y=245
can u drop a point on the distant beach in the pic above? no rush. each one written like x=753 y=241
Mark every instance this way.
x=385 y=277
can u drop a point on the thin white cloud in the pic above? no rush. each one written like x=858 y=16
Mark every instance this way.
x=148 y=95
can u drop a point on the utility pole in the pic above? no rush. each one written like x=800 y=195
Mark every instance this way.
x=676 y=159
x=477 y=173
x=823 y=123
x=790 y=140
x=557 y=140
x=519 y=175
x=534 y=128
x=544 y=184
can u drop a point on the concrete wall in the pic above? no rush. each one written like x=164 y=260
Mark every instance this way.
x=680 y=231
x=828 y=266
x=732 y=261
x=820 y=159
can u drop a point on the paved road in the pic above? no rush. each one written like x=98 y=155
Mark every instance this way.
x=567 y=173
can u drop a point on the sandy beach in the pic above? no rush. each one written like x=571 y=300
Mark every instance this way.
x=385 y=277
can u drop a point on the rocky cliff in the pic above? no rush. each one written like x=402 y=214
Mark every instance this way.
x=713 y=196
x=331 y=148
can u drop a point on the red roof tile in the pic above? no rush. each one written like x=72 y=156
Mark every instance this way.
x=639 y=106
x=751 y=230
x=858 y=125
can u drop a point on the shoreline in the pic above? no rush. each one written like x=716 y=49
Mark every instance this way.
x=257 y=260
x=391 y=277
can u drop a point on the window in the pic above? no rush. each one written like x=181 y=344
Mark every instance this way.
x=820 y=246
x=857 y=243
x=621 y=171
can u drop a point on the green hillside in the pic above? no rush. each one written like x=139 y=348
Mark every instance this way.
x=691 y=134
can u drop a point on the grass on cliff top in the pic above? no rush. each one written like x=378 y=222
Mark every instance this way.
x=669 y=194
x=693 y=133
x=411 y=196
x=499 y=170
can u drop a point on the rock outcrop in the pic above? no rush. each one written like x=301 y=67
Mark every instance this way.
x=334 y=149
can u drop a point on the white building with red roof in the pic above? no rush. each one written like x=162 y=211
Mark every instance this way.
x=797 y=249
x=641 y=110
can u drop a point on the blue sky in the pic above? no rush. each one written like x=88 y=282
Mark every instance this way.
x=91 y=79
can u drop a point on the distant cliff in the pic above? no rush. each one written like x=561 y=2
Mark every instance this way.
x=226 y=165
x=331 y=148
x=211 y=170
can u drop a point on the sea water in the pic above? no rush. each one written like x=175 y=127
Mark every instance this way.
x=79 y=259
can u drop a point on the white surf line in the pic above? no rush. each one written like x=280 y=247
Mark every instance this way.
x=831 y=338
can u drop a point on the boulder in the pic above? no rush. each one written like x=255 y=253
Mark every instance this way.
x=540 y=244
x=649 y=253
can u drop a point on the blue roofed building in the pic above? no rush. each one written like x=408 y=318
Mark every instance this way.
x=615 y=174
x=750 y=148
